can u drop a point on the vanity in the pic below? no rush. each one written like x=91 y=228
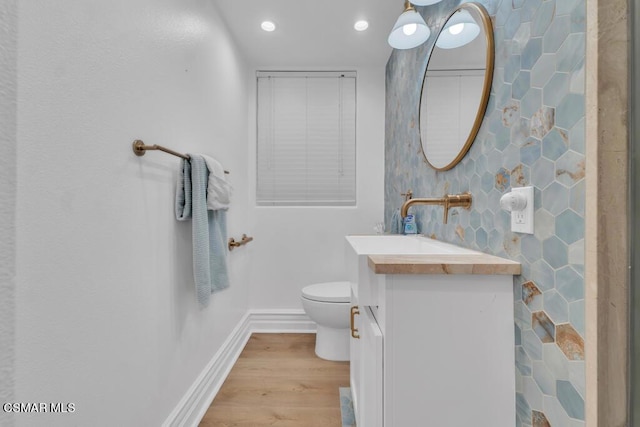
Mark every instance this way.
x=432 y=333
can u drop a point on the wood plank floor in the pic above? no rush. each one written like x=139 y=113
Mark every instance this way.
x=279 y=381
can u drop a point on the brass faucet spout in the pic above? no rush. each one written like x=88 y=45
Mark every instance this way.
x=404 y=210
x=448 y=201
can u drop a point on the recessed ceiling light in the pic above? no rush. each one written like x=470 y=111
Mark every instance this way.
x=268 y=26
x=361 y=25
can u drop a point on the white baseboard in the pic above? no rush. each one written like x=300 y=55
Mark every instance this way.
x=193 y=405
x=198 y=398
x=281 y=321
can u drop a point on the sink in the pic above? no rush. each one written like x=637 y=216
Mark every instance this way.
x=397 y=244
x=371 y=257
x=364 y=281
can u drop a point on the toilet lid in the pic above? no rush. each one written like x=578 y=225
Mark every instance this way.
x=328 y=292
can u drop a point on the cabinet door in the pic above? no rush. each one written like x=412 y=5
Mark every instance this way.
x=370 y=392
x=355 y=367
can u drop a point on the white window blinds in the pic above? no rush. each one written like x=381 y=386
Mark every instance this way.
x=306 y=138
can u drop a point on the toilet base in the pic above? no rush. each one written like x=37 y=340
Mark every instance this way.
x=332 y=344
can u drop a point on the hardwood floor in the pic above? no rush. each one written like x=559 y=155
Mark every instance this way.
x=279 y=381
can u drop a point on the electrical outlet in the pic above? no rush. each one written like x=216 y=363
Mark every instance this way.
x=522 y=221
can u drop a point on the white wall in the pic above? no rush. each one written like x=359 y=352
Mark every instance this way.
x=8 y=88
x=297 y=246
x=106 y=314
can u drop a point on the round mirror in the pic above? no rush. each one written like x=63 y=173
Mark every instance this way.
x=456 y=86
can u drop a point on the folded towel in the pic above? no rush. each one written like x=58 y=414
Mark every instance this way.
x=218 y=189
x=396 y=222
x=209 y=229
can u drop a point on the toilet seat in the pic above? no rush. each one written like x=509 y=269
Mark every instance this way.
x=335 y=292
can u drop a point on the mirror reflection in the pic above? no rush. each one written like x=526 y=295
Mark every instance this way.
x=456 y=86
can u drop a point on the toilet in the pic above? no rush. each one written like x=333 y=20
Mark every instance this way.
x=328 y=305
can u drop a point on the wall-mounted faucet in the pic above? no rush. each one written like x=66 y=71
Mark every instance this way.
x=448 y=201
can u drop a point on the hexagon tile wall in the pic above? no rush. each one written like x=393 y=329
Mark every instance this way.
x=532 y=134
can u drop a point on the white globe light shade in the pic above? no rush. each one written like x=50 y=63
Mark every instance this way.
x=409 y=31
x=425 y=2
x=459 y=30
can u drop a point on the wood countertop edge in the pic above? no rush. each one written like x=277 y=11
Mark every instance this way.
x=481 y=264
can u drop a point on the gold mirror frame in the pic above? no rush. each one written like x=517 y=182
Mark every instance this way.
x=486 y=90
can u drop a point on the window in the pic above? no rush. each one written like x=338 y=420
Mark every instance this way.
x=306 y=138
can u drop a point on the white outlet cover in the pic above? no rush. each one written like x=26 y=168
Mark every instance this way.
x=522 y=221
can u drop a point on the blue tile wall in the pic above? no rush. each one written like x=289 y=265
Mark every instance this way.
x=532 y=134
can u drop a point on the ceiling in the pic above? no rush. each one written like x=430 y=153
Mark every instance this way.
x=311 y=33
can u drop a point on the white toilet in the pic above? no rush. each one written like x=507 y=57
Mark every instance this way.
x=328 y=305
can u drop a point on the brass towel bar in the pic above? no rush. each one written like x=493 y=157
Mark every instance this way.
x=139 y=149
x=243 y=241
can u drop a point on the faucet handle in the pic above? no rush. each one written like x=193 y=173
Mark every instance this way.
x=408 y=195
x=447 y=204
x=456 y=201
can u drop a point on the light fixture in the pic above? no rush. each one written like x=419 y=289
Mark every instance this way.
x=361 y=25
x=459 y=30
x=410 y=29
x=425 y=2
x=268 y=26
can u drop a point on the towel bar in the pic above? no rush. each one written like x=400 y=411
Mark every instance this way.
x=139 y=149
x=243 y=241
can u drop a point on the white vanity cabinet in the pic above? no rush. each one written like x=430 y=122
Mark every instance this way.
x=366 y=371
x=436 y=334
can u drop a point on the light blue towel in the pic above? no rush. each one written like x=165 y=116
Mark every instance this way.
x=396 y=222
x=209 y=229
